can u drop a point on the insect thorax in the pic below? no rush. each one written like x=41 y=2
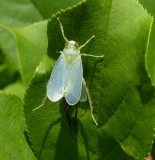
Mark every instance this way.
x=71 y=51
x=70 y=56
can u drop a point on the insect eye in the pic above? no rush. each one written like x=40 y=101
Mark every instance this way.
x=76 y=45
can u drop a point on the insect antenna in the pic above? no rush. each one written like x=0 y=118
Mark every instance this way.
x=67 y=112
x=75 y=118
x=83 y=45
x=62 y=30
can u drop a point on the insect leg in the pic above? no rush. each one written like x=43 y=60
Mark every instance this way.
x=62 y=30
x=90 y=55
x=43 y=102
x=76 y=113
x=67 y=112
x=87 y=42
x=89 y=100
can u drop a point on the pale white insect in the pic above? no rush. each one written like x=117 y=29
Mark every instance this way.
x=67 y=76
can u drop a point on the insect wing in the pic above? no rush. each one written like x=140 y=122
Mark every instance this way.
x=83 y=97
x=55 y=86
x=74 y=81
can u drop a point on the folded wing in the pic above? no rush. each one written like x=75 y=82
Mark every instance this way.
x=56 y=83
x=73 y=86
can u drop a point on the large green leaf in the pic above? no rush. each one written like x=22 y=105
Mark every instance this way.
x=121 y=91
x=29 y=46
x=150 y=6
x=13 y=143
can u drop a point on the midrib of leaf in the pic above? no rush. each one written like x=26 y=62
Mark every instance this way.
x=146 y=65
x=111 y=152
x=13 y=35
x=129 y=131
x=17 y=53
x=16 y=48
x=107 y=30
x=119 y=105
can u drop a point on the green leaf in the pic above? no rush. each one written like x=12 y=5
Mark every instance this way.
x=17 y=13
x=8 y=46
x=150 y=6
x=14 y=14
x=31 y=46
x=17 y=88
x=120 y=88
x=153 y=150
x=13 y=143
x=50 y=7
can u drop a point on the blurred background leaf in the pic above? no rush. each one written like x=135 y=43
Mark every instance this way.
x=31 y=45
x=13 y=144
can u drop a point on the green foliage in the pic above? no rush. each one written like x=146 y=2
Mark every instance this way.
x=149 y=4
x=13 y=143
x=29 y=48
x=121 y=85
